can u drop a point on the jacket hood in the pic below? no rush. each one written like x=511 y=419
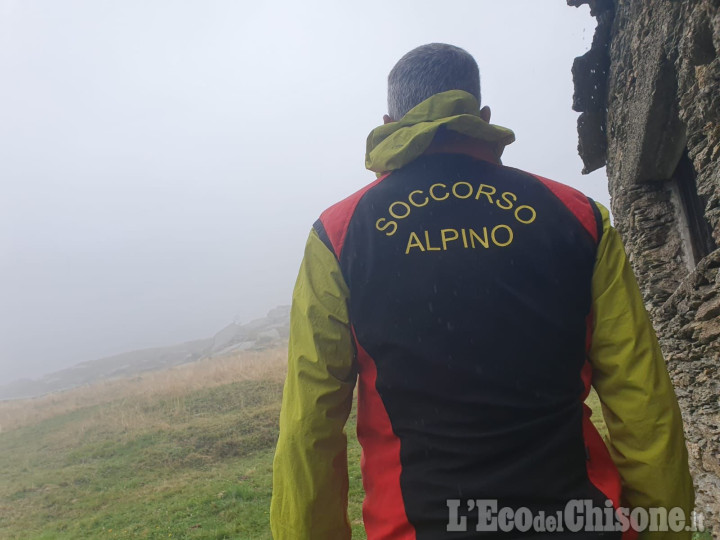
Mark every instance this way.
x=396 y=144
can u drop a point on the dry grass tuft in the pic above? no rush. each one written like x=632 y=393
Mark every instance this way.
x=171 y=384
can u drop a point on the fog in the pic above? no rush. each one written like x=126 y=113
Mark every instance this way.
x=161 y=163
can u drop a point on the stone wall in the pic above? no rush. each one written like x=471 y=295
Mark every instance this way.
x=649 y=94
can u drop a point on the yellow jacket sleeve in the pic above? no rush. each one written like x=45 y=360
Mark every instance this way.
x=646 y=443
x=310 y=478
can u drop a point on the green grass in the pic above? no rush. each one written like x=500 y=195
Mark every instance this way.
x=593 y=402
x=198 y=466
x=195 y=466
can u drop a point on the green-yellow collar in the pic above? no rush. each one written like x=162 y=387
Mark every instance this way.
x=396 y=144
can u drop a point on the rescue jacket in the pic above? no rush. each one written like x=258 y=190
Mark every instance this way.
x=476 y=305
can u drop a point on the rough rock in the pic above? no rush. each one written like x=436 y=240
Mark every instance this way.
x=655 y=116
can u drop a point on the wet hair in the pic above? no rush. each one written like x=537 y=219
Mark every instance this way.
x=428 y=70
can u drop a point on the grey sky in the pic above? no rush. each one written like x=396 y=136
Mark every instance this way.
x=161 y=162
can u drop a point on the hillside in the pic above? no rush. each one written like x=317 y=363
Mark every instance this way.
x=184 y=453
x=266 y=332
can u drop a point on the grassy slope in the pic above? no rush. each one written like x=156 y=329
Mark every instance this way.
x=202 y=471
x=195 y=464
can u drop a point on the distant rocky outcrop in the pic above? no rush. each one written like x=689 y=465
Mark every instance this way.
x=259 y=334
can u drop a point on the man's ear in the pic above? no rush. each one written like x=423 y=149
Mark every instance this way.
x=387 y=119
x=485 y=113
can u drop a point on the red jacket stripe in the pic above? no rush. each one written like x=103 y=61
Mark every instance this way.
x=383 y=508
x=576 y=202
x=337 y=218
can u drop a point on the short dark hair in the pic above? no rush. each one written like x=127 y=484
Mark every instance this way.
x=428 y=70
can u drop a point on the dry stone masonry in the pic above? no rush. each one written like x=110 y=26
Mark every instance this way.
x=649 y=94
